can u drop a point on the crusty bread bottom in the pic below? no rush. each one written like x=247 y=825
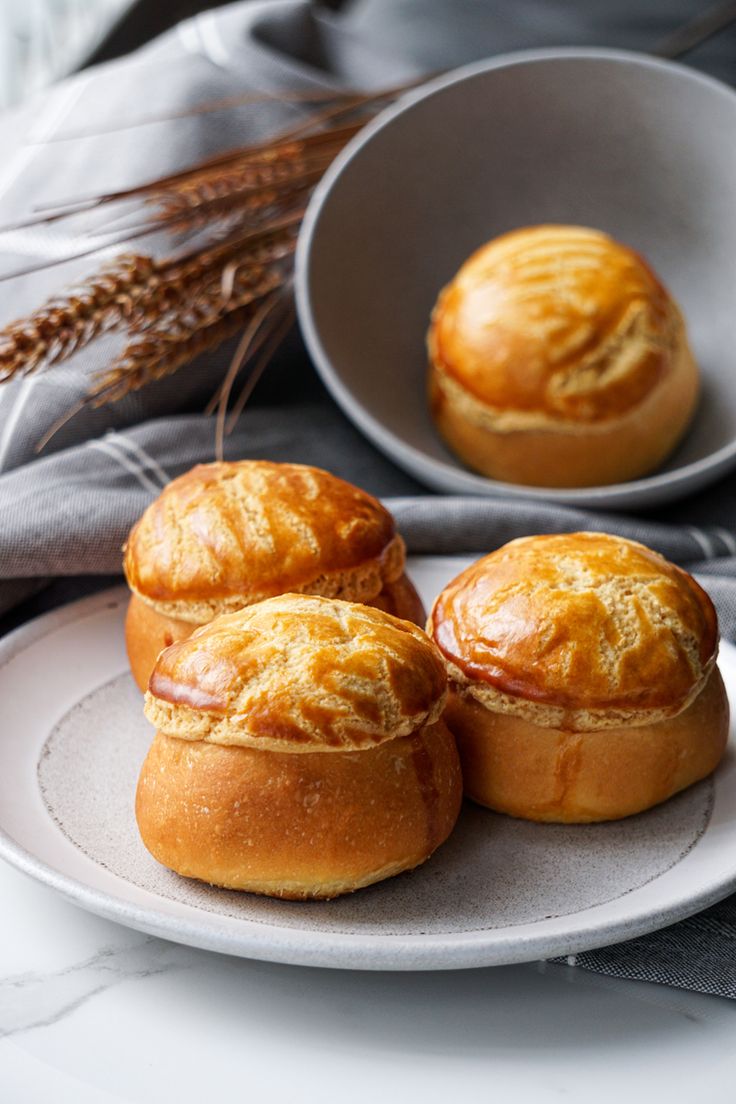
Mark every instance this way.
x=622 y=449
x=148 y=632
x=546 y=774
x=400 y=599
x=298 y=825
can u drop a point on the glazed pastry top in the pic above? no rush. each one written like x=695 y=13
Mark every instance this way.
x=299 y=673
x=580 y=630
x=226 y=535
x=552 y=324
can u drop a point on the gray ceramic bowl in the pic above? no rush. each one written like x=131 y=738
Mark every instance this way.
x=641 y=148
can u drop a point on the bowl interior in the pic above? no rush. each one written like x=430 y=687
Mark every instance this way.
x=641 y=149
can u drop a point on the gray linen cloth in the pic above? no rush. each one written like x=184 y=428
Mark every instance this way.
x=66 y=513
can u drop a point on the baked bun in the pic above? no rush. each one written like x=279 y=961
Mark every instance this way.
x=558 y=359
x=583 y=678
x=300 y=750
x=226 y=535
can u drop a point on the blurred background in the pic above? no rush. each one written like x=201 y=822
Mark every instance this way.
x=42 y=40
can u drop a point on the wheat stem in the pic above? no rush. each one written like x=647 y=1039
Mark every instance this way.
x=266 y=149
x=239 y=358
x=65 y=324
x=269 y=348
x=209 y=107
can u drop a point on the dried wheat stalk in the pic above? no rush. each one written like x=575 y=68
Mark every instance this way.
x=66 y=323
x=160 y=352
x=247 y=205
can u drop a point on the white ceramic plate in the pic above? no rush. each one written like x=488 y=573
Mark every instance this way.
x=499 y=891
x=642 y=148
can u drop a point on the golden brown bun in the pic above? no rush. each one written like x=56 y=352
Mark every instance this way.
x=148 y=632
x=539 y=773
x=582 y=675
x=226 y=535
x=557 y=358
x=298 y=826
x=300 y=750
x=299 y=673
x=400 y=599
x=577 y=631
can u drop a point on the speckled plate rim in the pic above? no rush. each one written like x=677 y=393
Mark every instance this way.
x=688 y=887
x=449 y=476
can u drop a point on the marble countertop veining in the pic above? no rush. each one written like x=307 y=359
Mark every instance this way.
x=91 y=1012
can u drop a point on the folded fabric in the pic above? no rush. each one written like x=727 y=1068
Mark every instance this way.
x=67 y=512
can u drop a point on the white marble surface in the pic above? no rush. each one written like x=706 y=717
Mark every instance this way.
x=91 y=1012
